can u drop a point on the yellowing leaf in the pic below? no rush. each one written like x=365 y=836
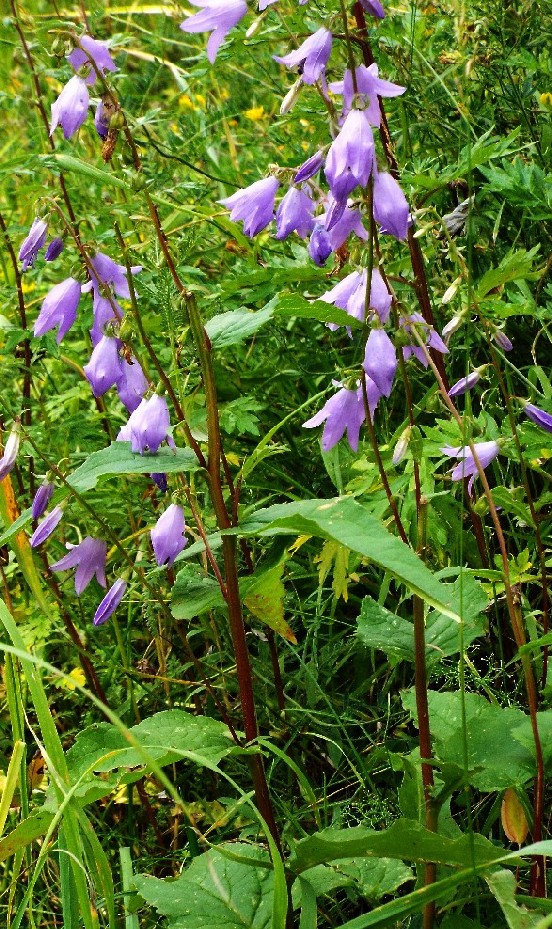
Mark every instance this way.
x=265 y=599
x=514 y=821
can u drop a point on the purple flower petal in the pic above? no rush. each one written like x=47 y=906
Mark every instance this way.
x=351 y=156
x=167 y=536
x=59 y=308
x=254 y=205
x=539 y=417
x=42 y=499
x=46 y=527
x=70 y=109
x=217 y=17
x=89 y=559
x=104 y=368
x=311 y=57
x=110 y=602
x=32 y=243
x=380 y=360
x=92 y=49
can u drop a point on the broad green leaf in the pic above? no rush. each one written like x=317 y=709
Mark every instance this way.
x=35 y=826
x=118 y=458
x=502 y=885
x=372 y=877
x=215 y=892
x=496 y=759
x=394 y=635
x=405 y=839
x=194 y=592
x=234 y=327
x=347 y=522
x=296 y=305
x=166 y=737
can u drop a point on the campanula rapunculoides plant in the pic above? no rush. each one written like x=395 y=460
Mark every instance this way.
x=255 y=261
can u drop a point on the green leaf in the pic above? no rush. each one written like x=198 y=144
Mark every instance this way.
x=215 y=892
x=496 y=758
x=234 y=327
x=264 y=597
x=296 y=305
x=502 y=885
x=166 y=737
x=118 y=458
x=347 y=522
x=405 y=839
x=374 y=878
x=514 y=266
x=68 y=163
x=35 y=826
x=194 y=592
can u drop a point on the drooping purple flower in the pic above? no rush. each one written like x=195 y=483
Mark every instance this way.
x=132 y=384
x=89 y=559
x=350 y=295
x=104 y=368
x=264 y=4
x=161 y=481
x=539 y=417
x=311 y=57
x=42 y=498
x=349 y=221
x=167 y=536
x=55 y=248
x=351 y=155
x=294 y=214
x=46 y=527
x=101 y=120
x=433 y=339
x=104 y=310
x=466 y=467
x=309 y=168
x=254 y=205
x=373 y=7
x=391 y=209
x=320 y=246
x=217 y=17
x=32 y=243
x=380 y=360
x=70 y=109
x=11 y=448
x=110 y=274
x=465 y=383
x=368 y=87
x=344 y=413
x=110 y=602
x=92 y=51
x=148 y=426
x=59 y=308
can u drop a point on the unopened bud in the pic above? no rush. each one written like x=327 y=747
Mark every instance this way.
x=11 y=449
x=452 y=326
x=502 y=340
x=291 y=97
x=450 y=291
x=401 y=447
x=253 y=27
x=137 y=181
x=58 y=48
x=126 y=329
x=117 y=121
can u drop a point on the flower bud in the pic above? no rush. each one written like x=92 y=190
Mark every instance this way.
x=11 y=448
x=401 y=447
x=291 y=97
x=118 y=120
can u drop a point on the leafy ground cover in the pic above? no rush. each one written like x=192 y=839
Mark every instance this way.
x=276 y=419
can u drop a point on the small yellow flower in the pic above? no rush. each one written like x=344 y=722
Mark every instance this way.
x=546 y=100
x=186 y=102
x=74 y=678
x=255 y=113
